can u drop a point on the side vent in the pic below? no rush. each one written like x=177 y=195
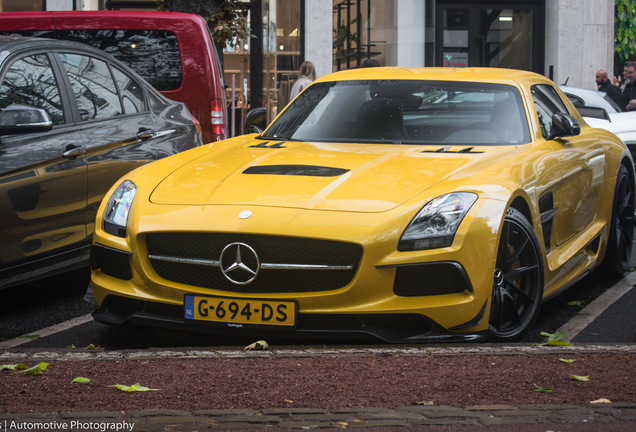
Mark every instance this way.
x=547 y=210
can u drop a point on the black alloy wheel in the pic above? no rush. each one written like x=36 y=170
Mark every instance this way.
x=621 y=236
x=518 y=281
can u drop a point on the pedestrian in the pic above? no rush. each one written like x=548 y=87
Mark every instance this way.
x=370 y=63
x=606 y=86
x=307 y=75
x=629 y=94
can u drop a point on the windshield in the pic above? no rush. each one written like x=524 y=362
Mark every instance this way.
x=404 y=112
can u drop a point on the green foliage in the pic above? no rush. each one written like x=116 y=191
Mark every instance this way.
x=230 y=22
x=625 y=29
x=342 y=34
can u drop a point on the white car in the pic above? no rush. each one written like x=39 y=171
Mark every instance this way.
x=622 y=124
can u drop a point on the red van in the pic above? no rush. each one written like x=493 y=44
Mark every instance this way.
x=174 y=52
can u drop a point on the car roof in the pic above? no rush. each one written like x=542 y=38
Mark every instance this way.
x=488 y=75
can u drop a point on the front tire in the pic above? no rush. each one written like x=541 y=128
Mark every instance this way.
x=621 y=236
x=518 y=281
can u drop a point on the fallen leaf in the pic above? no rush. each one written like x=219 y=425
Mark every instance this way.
x=289 y=401
x=71 y=346
x=12 y=367
x=580 y=303
x=555 y=339
x=580 y=378
x=601 y=400
x=258 y=345
x=29 y=336
x=35 y=370
x=542 y=389
x=91 y=346
x=567 y=360
x=133 y=388
x=81 y=380
x=423 y=403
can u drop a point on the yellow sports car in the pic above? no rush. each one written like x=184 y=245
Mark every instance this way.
x=411 y=205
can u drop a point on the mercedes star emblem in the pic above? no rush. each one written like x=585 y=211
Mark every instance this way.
x=239 y=263
x=245 y=214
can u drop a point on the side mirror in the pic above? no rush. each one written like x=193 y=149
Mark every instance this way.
x=255 y=121
x=21 y=119
x=564 y=125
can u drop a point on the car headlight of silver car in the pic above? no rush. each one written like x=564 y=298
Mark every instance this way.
x=436 y=224
x=118 y=209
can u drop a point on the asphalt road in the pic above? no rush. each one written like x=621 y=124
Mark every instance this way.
x=26 y=309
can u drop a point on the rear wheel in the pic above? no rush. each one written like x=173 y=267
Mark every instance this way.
x=518 y=283
x=619 y=244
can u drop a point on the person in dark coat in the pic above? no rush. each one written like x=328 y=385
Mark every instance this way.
x=629 y=93
x=605 y=85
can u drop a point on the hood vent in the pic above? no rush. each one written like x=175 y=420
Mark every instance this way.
x=447 y=150
x=296 y=170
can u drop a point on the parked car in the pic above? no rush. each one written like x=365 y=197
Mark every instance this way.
x=174 y=52
x=582 y=97
x=361 y=210
x=73 y=120
x=622 y=124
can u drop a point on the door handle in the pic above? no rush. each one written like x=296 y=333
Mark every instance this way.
x=145 y=134
x=71 y=152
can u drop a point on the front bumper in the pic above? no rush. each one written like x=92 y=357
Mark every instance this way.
x=394 y=328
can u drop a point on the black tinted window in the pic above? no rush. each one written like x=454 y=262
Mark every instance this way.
x=132 y=95
x=93 y=87
x=405 y=111
x=547 y=102
x=153 y=54
x=30 y=81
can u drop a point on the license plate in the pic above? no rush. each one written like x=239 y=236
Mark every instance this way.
x=240 y=311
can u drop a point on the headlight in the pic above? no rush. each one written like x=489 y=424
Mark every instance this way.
x=435 y=225
x=118 y=209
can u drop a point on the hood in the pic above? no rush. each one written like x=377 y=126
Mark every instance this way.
x=318 y=176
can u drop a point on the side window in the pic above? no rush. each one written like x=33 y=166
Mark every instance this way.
x=547 y=102
x=131 y=93
x=30 y=81
x=153 y=54
x=576 y=101
x=93 y=87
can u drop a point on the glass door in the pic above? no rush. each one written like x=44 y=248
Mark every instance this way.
x=495 y=34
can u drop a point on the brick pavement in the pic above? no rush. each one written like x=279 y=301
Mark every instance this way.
x=551 y=416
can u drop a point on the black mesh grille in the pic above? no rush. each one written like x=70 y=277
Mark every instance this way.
x=270 y=249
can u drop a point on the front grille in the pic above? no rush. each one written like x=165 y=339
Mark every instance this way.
x=270 y=250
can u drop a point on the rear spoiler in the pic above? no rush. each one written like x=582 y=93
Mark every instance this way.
x=594 y=112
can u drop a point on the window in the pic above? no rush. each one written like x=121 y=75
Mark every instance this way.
x=93 y=87
x=153 y=54
x=131 y=93
x=30 y=81
x=405 y=112
x=547 y=102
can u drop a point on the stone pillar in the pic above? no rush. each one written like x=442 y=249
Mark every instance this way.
x=318 y=35
x=410 y=33
x=579 y=40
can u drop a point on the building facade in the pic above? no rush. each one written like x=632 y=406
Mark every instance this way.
x=565 y=40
